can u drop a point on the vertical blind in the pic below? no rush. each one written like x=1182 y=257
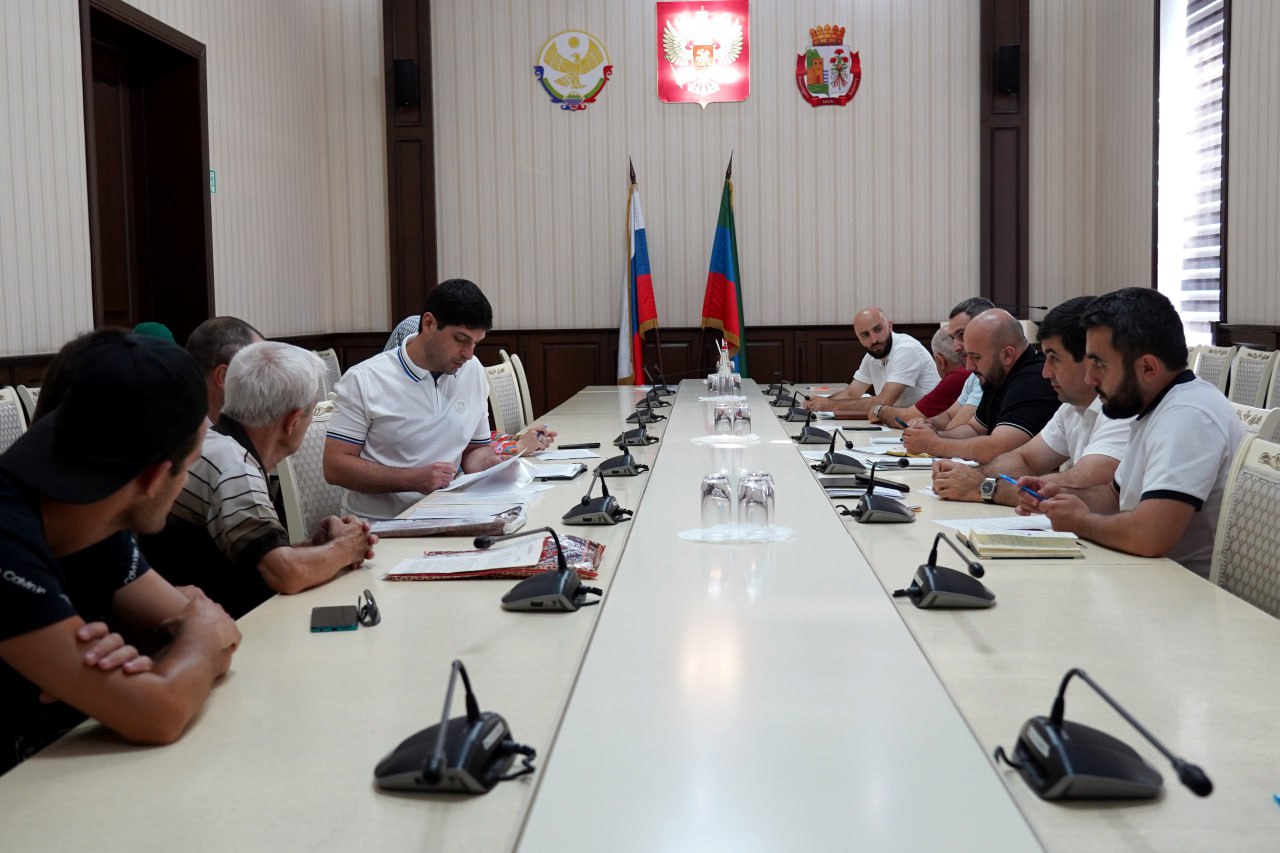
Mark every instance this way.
x=1199 y=297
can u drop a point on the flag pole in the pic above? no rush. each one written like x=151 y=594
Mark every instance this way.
x=657 y=334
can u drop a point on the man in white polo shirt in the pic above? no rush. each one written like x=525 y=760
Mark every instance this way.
x=1168 y=489
x=897 y=366
x=410 y=418
x=1078 y=433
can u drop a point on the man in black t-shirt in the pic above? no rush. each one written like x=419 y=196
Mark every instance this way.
x=124 y=418
x=1017 y=401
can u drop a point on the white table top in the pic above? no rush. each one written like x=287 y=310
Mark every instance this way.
x=759 y=697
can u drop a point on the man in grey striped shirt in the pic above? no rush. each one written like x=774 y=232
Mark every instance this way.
x=224 y=533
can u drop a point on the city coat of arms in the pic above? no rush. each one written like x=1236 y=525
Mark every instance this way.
x=828 y=72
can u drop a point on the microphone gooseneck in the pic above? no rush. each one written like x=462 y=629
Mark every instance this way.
x=433 y=771
x=1191 y=775
x=975 y=568
x=483 y=542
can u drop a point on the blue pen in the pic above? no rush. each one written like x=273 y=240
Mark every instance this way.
x=1026 y=489
x=903 y=423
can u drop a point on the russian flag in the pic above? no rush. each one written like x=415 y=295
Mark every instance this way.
x=639 y=309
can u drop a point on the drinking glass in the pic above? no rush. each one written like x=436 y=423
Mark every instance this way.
x=742 y=419
x=717 y=501
x=722 y=420
x=755 y=502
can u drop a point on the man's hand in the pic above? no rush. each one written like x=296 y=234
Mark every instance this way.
x=205 y=623
x=352 y=536
x=819 y=404
x=919 y=437
x=1027 y=503
x=536 y=438
x=437 y=475
x=1066 y=512
x=953 y=481
x=107 y=651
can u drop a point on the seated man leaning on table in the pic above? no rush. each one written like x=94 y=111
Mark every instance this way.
x=1078 y=433
x=960 y=408
x=72 y=489
x=1017 y=401
x=409 y=419
x=897 y=366
x=1168 y=489
x=224 y=533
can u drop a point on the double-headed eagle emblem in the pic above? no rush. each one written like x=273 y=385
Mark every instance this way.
x=701 y=47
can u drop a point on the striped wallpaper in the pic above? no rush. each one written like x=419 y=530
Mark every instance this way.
x=837 y=208
x=295 y=134
x=1091 y=147
x=1253 y=169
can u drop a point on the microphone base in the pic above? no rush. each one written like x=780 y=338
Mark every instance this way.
x=1075 y=762
x=796 y=414
x=879 y=509
x=552 y=591
x=940 y=588
x=469 y=767
x=598 y=510
x=812 y=435
x=634 y=438
x=841 y=463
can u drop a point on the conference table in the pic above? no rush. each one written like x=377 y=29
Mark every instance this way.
x=744 y=696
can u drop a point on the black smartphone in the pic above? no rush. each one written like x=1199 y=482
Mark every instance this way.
x=342 y=617
x=867 y=428
x=586 y=445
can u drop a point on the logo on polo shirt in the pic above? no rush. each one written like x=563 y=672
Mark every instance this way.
x=460 y=406
x=19 y=581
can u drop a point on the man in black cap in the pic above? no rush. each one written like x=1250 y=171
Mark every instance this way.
x=73 y=489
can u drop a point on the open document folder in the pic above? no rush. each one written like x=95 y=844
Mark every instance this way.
x=516 y=560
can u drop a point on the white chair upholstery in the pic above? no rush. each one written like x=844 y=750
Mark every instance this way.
x=1251 y=418
x=525 y=400
x=1273 y=391
x=13 y=423
x=1244 y=552
x=504 y=398
x=332 y=370
x=1270 y=429
x=1251 y=376
x=1214 y=365
x=307 y=496
x=28 y=397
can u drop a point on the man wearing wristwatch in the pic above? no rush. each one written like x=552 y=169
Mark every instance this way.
x=1078 y=433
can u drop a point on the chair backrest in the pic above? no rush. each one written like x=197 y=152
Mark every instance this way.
x=1273 y=391
x=1270 y=428
x=1251 y=418
x=1214 y=365
x=13 y=423
x=332 y=370
x=504 y=398
x=29 y=395
x=1248 y=539
x=525 y=400
x=1251 y=376
x=307 y=496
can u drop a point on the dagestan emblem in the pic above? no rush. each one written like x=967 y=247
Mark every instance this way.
x=573 y=67
x=828 y=72
x=703 y=52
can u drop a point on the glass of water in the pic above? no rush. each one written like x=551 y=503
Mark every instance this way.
x=717 y=502
x=755 y=502
x=722 y=420
x=742 y=419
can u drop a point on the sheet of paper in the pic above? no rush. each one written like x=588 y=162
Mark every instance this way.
x=509 y=472
x=1002 y=524
x=565 y=470
x=558 y=455
x=523 y=553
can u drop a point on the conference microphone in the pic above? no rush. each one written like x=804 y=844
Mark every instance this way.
x=810 y=434
x=839 y=463
x=784 y=400
x=937 y=587
x=1062 y=760
x=881 y=509
x=653 y=398
x=554 y=590
x=468 y=754
x=660 y=386
x=638 y=437
x=589 y=510
x=799 y=413
x=624 y=465
x=644 y=414
x=776 y=383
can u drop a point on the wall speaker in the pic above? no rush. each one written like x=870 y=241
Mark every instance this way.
x=1008 y=69
x=405 y=76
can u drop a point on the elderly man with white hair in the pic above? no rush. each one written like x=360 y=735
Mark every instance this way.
x=224 y=532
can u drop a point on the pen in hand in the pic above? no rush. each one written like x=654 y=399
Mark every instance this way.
x=901 y=422
x=1026 y=489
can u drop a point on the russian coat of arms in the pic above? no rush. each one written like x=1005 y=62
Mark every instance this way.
x=703 y=52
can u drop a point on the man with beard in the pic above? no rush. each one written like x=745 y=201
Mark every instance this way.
x=410 y=418
x=897 y=366
x=1017 y=401
x=1078 y=434
x=1168 y=489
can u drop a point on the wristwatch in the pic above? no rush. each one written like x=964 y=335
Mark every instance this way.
x=875 y=410
x=988 y=490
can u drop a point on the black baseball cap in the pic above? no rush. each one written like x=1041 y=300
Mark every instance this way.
x=126 y=402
